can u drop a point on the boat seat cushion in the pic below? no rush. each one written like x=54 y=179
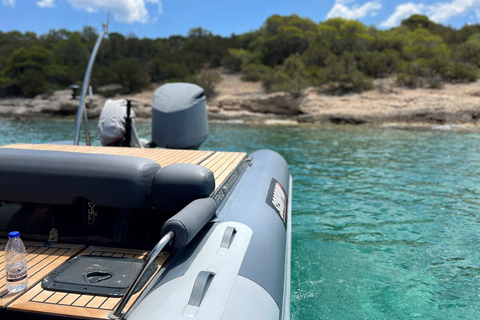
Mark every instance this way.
x=64 y=178
x=177 y=185
x=55 y=177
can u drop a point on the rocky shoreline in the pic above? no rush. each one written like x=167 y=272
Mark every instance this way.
x=235 y=100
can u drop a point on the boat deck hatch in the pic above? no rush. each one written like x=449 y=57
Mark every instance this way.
x=39 y=303
x=102 y=276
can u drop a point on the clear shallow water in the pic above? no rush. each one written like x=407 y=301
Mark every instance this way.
x=386 y=222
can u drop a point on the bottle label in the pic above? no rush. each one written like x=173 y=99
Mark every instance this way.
x=17 y=275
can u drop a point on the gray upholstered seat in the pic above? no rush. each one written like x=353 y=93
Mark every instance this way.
x=55 y=177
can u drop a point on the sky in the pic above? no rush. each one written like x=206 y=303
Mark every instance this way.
x=162 y=18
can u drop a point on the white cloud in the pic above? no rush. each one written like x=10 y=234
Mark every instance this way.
x=443 y=11
x=440 y=12
x=402 y=11
x=340 y=9
x=478 y=14
x=9 y=3
x=46 y=3
x=128 y=11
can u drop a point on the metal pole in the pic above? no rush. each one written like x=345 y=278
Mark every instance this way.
x=118 y=312
x=86 y=80
x=85 y=125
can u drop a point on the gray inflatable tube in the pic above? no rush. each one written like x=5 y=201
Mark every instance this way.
x=238 y=266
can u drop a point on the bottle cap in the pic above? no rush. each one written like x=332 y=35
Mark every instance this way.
x=14 y=234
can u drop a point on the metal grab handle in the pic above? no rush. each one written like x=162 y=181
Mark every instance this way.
x=118 y=312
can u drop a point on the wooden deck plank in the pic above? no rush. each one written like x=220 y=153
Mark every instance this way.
x=110 y=303
x=69 y=299
x=107 y=254
x=59 y=309
x=75 y=305
x=82 y=300
x=56 y=297
x=227 y=170
x=41 y=260
x=222 y=160
x=222 y=164
x=96 y=302
x=43 y=296
x=211 y=159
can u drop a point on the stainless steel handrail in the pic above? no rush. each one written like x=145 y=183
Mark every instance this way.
x=85 y=125
x=118 y=312
x=81 y=112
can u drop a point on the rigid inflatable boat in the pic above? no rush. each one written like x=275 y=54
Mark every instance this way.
x=129 y=231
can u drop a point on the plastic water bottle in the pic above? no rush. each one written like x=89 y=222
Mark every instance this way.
x=15 y=263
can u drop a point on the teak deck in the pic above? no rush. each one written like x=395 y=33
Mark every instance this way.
x=222 y=164
x=43 y=260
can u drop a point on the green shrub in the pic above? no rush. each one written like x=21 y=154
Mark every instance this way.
x=28 y=70
x=31 y=82
x=460 y=72
x=409 y=81
x=160 y=71
x=344 y=76
x=232 y=63
x=255 y=72
x=467 y=53
x=417 y=21
x=58 y=76
x=421 y=44
x=474 y=39
x=435 y=83
x=439 y=66
x=316 y=75
x=359 y=82
x=236 y=59
x=316 y=54
x=6 y=87
x=289 y=77
x=377 y=64
x=208 y=79
x=130 y=74
x=424 y=72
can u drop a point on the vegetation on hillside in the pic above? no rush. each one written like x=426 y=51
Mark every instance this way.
x=287 y=53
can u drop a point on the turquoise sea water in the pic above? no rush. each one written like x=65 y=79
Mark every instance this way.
x=386 y=223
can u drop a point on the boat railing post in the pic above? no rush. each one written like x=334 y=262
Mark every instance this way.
x=85 y=125
x=118 y=312
x=81 y=112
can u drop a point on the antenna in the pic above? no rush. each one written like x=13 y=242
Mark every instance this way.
x=105 y=25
